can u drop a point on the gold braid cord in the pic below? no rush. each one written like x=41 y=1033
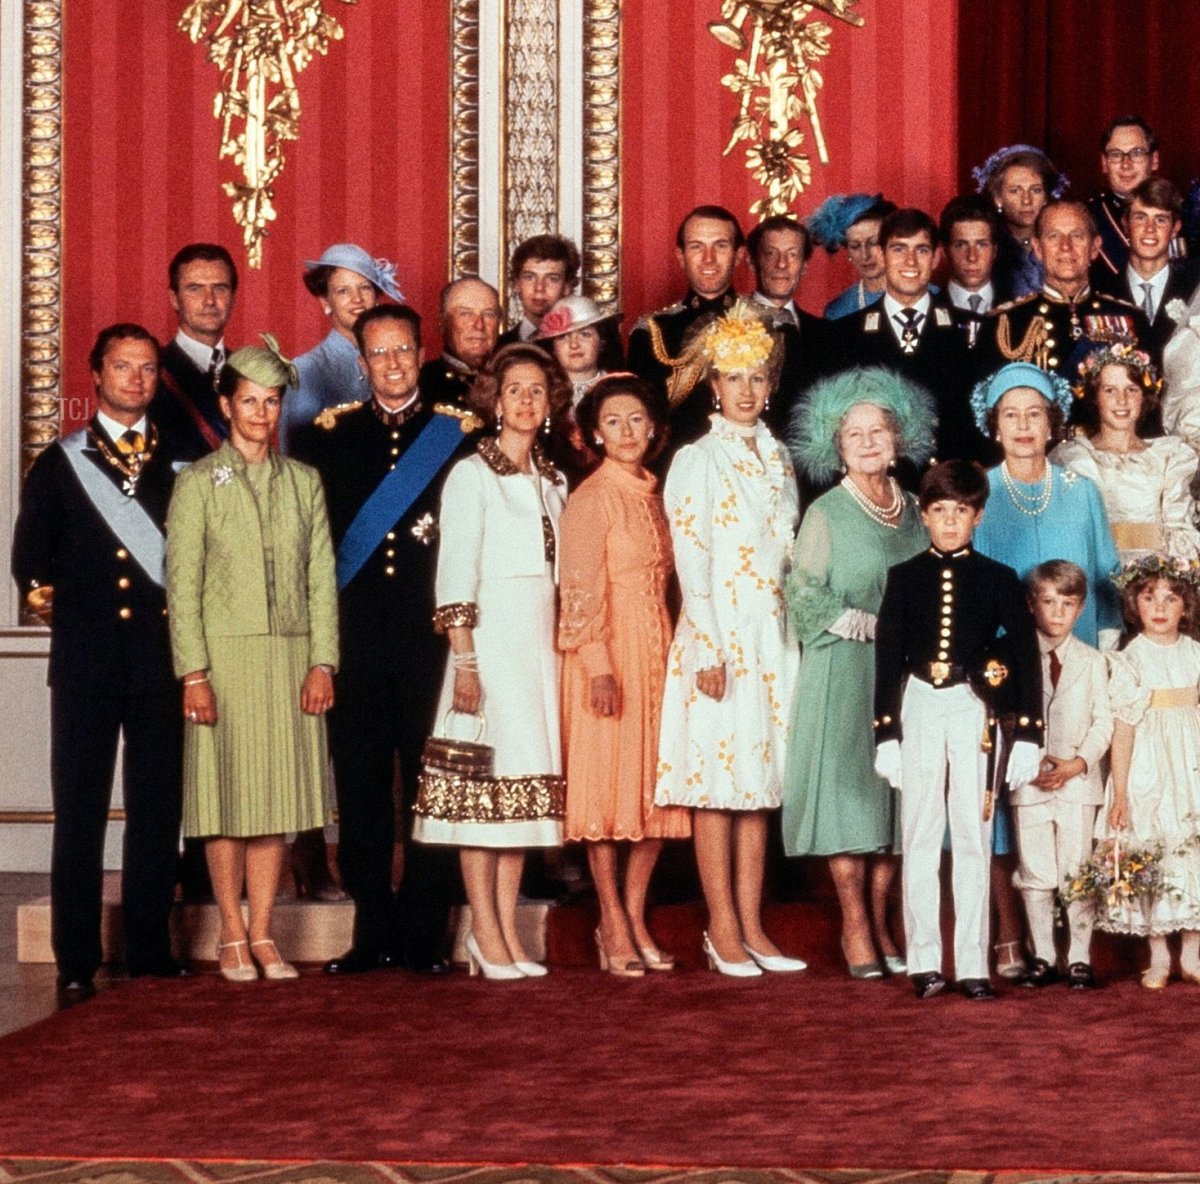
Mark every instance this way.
x=686 y=370
x=777 y=83
x=1033 y=344
x=259 y=46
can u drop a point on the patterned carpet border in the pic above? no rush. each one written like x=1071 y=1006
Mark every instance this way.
x=175 y=1171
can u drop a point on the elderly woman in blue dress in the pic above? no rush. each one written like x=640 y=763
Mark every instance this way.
x=834 y=803
x=346 y=281
x=732 y=506
x=852 y=220
x=1038 y=511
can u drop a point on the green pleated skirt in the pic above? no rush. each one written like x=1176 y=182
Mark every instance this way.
x=264 y=768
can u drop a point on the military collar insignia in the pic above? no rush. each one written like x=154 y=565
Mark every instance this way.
x=871 y=322
x=942 y=318
x=722 y=303
x=1056 y=297
x=395 y=419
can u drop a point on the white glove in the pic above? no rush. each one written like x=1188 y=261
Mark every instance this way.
x=855 y=624
x=887 y=762
x=1024 y=762
x=1107 y=639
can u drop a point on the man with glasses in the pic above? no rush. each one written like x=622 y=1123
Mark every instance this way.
x=382 y=464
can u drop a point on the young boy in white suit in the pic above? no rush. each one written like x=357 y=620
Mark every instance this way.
x=1055 y=813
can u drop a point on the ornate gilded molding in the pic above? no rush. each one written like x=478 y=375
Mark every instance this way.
x=259 y=46
x=464 y=138
x=41 y=228
x=602 y=152
x=776 y=84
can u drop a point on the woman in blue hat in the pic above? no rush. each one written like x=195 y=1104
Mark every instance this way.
x=346 y=281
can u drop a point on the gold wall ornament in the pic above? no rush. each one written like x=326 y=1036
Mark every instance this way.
x=464 y=138
x=777 y=83
x=602 y=152
x=259 y=46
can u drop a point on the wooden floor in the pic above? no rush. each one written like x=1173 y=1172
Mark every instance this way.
x=26 y=992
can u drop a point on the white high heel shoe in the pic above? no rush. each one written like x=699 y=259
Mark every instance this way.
x=732 y=969
x=478 y=964
x=531 y=969
x=776 y=962
x=276 y=969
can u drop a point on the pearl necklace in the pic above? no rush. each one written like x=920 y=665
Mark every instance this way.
x=888 y=516
x=1021 y=500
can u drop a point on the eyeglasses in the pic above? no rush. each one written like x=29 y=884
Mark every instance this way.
x=391 y=351
x=1134 y=155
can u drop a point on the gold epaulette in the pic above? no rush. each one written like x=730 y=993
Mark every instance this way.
x=1011 y=304
x=468 y=421
x=647 y=319
x=329 y=416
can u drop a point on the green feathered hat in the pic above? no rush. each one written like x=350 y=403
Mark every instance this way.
x=268 y=367
x=812 y=436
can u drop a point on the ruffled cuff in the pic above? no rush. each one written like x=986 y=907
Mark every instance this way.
x=464 y=615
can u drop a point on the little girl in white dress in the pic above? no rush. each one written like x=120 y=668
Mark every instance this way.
x=1154 y=791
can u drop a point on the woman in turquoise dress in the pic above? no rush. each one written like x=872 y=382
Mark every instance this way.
x=834 y=803
x=253 y=611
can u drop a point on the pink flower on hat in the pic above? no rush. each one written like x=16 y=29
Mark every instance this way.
x=557 y=320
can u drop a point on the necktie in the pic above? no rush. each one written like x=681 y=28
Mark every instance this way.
x=909 y=322
x=1055 y=669
x=214 y=365
x=1148 y=300
x=975 y=301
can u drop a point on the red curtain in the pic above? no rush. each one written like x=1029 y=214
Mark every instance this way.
x=1052 y=73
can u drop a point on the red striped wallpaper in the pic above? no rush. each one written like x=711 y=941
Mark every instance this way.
x=142 y=175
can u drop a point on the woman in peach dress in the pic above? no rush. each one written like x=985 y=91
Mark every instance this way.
x=615 y=632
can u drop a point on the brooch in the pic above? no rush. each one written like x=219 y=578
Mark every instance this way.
x=425 y=529
x=995 y=673
x=222 y=475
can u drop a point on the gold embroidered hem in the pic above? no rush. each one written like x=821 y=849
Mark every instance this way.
x=463 y=615
x=1175 y=697
x=453 y=798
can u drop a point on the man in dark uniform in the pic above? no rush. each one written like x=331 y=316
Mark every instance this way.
x=392 y=661
x=88 y=557
x=203 y=284
x=709 y=245
x=1159 y=285
x=470 y=316
x=1058 y=326
x=544 y=269
x=916 y=334
x=780 y=248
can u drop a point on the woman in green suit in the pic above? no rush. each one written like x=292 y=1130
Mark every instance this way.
x=252 y=595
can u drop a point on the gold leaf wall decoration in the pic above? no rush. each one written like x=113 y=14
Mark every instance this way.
x=259 y=46
x=776 y=83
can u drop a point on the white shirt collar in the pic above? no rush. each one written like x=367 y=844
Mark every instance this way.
x=1157 y=282
x=114 y=430
x=892 y=308
x=786 y=310
x=199 y=354
x=960 y=296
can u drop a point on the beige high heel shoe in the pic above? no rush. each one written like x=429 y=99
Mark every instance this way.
x=278 y=969
x=243 y=972
x=630 y=968
x=655 y=959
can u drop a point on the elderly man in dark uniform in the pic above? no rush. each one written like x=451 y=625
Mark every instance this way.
x=470 y=317
x=203 y=283
x=709 y=245
x=88 y=557
x=381 y=463
x=917 y=334
x=1058 y=326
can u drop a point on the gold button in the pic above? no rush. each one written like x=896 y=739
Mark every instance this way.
x=1043 y=309
x=389 y=571
x=125 y=613
x=948 y=586
x=1050 y=343
x=391 y=536
x=1024 y=721
x=887 y=719
x=947 y=600
x=395 y=451
x=122 y=553
x=123 y=582
x=391 y=554
x=391 y=467
x=946 y=631
x=164 y=612
x=395 y=435
x=946 y=573
x=942 y=655
x=1052 y=361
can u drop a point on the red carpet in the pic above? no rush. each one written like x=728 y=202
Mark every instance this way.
x=812 y=1071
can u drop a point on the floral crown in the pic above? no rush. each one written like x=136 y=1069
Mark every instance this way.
x=738 y=341
x=1167 y=567
x=1121 y=353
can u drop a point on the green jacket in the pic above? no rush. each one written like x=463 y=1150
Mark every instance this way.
x=216 y=573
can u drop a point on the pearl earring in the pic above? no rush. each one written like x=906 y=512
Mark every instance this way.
x=546 y=426
x=599 y=442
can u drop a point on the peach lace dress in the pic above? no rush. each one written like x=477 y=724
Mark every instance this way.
x=614 y=567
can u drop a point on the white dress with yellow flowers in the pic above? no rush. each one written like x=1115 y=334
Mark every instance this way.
x=732 y=517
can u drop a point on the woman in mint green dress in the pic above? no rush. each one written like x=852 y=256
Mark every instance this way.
x=834 y=803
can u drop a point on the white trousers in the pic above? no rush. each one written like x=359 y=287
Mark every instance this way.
x=1053 y=840
x=943 y=779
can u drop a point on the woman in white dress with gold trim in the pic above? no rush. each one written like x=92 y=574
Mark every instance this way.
x=496 y=603
x=732 y=505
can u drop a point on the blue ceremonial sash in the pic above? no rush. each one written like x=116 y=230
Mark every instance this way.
x=421 y=462
x=125 y=516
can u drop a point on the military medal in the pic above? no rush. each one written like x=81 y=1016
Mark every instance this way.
x=128 y=456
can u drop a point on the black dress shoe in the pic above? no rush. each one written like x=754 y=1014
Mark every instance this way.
x=160 y=968
x=1081 y=977
x=356 y=961
x=976 y=989
x=74 y=988
x=1040 y=974
x=429 y=966
x=927 y=985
